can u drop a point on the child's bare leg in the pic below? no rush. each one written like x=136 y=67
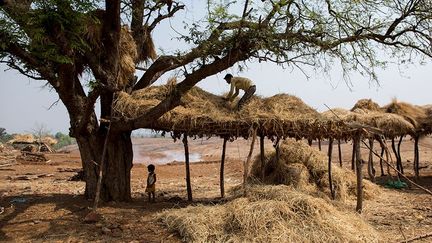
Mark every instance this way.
x=154 y=196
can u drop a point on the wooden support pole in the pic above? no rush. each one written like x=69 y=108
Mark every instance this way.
x=371 y=169
x=353 y=157
x=222 y=181
x=310 y=142
x=381 y=161
x=276 y=146
x=188 y=179
x=340 y=153
x=262 y=156
x=247 y=162
x=399 y=154
x=396 y=155
x=330 y=151
x=416 y=157
x=359 y=166
x=101 y=168
x=319 y=144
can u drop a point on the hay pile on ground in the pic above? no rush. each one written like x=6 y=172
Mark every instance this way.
x=306 y=169
x=203 y=113
x=269 y=214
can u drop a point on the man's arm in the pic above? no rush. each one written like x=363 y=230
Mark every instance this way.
x=237 y=90
x=228 y=97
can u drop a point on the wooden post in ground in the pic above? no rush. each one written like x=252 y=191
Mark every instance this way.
x=416 y=157
x=330 y=151
x=381 y=161
x=101 y=168
x=319 y=144
x=340 y=153
x=247 y=162
x=399 y=154
x=396 y=155
x=359 y=174
x=353 y=157
x=188 y=179
x=310 y=142
x=262 y=156
x=276 y=146
x=222 y=181
x=371 y=169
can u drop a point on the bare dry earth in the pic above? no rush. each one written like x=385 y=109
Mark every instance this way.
x=51 y=208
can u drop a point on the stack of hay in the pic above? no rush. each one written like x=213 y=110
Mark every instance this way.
x=305 y=168
x=295 y=212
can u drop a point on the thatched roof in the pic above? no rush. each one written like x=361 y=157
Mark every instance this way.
x=30 y=139
x=391 y=125
x=366 y=105
x=416 y=115
x=205 y=114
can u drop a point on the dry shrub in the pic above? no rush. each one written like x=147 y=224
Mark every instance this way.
x=315 y=162
x=269 y=214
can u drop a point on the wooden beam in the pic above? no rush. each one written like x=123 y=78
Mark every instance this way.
x=399 y=154
x=319 y=144
x=353 y=157
x=247 y=162
x=222 y=184
x=188 y=180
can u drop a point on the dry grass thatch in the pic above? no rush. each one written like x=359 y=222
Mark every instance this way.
x=22 y=138
x=366 y=105
x=148 y=50
x=269 y=214
x=414 y=114
x=204 y=113
x=306 y=169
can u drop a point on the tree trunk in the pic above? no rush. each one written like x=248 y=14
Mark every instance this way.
x=416 y=157
x=222 y=185
x=359 y=166
x=330 y=151
x=118 y=164
x=371 y=169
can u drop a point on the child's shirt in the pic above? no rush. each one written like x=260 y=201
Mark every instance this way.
x=151 y=179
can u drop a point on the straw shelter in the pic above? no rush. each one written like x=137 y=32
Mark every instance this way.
x=204 y=114
x=416 y=115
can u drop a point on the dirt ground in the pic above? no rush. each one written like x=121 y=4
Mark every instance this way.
x=47 y=207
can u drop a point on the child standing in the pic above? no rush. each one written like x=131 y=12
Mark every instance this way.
x=151 y=181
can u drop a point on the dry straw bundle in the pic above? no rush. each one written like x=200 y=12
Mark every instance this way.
x=22 y=138
x=269 y=214
x=306 y=169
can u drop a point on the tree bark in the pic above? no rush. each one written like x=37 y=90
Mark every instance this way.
x=222 y=186
x=359 y=174
x=330 y=151
x=118 y=164
x=188 y=179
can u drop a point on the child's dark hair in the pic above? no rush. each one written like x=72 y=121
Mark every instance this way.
x=151 y=167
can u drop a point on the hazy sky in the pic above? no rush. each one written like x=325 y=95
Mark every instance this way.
x=24 y=103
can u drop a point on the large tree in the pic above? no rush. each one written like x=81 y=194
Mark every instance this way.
x=63 y=41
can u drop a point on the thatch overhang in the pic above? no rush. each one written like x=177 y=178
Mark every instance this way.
x=204 y=114
x=415 y=115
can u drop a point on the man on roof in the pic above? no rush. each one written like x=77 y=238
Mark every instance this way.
x=237 y=84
